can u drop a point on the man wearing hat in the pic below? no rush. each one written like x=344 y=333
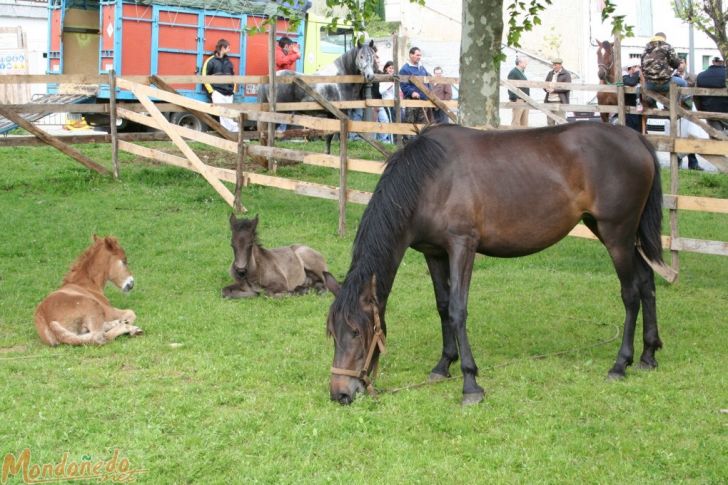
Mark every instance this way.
x=553 y=95
x=659 y=60
x=713 y=77
x=632 y=79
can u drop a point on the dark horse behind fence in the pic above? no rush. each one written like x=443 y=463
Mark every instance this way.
x=360 y=60
x=607 y=75
x=454 y=192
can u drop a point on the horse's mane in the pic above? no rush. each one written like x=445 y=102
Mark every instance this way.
x=83 y=263
x=386 y=218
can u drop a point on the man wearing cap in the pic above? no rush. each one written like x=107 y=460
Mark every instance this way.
x=659 y=60
x=713 y=77
x=520 y=114
x=632 y=79
x=557 y=95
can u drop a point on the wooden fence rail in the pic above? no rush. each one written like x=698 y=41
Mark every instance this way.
x=173 y=102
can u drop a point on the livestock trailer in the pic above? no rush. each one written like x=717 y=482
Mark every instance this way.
x=174 y=37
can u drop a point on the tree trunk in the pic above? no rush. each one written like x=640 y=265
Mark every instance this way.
x=480 y=47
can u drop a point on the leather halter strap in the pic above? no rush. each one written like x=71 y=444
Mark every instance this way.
x=378 y=340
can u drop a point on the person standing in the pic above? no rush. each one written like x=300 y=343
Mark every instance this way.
x=413 y=67
x=713 y=77
x=286 y=54
x=442 y=91
x=557 y=74
x=520 y=114
x=632 y=79
x=687 y=101
x=219 y=64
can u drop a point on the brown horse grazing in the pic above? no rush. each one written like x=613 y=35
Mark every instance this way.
x=607 y=75
x=454 y=192
x=293 y=269
x=78 y=313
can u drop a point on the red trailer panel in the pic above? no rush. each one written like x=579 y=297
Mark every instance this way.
x=136 y=35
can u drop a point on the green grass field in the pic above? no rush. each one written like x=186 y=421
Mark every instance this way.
x=237 y=391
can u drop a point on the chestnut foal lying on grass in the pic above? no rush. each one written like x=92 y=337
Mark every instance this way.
x=78 y=313
x=287 y=270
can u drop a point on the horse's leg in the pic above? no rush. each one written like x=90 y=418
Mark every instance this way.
x=440 y=274
x=328 y=139
x=462 y=254
x=238 y=290
x=120 y=329
x=651 y=337
x=623 y=253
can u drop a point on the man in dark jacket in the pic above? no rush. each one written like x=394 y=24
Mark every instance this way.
x=520 y=114
x=713 y=77
x=415 y=68
x=219 y=64
x=557 y=95
x=632 y=79
x=659 y=60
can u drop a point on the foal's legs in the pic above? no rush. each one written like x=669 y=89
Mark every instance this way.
x=462 y=255
x=440 y=274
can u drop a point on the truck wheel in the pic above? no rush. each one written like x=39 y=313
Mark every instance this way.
x=187 y=120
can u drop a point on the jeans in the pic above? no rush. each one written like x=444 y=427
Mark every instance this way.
x=356 y=114
x=383 y=117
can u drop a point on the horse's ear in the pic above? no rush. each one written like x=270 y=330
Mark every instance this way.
x=371 y=43
x=232 y=219
x=94 y=238
x=110 y=243
x=331 y=284
x=255 y=222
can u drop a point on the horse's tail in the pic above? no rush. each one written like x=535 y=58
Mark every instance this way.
x=650 y=228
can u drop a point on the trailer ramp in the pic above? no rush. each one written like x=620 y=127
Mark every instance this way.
x=6 y=125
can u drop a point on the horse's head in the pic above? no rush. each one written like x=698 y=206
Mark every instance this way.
x=605 y=60
x=366 y=60
x=355 y=325
x=113 y=256
x=243 y=239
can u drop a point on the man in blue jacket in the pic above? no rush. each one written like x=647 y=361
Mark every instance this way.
x=410 y=91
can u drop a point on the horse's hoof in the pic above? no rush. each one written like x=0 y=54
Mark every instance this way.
x=615 y=376
x=647 y=365
x=136 y=331
x=473 y=398
x=435 y=377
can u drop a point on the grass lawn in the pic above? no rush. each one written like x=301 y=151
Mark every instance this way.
x=237 y=391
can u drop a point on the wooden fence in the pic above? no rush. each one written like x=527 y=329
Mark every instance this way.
x=150 y=114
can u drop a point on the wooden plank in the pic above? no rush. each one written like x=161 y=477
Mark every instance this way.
x=533 y=103
x=156 y=155
x=27 y=140
x=674 y=178
x=718 y=248
x=186 y=150
x=702 y=204
x=343 y=173
x=702 y=146
x=720 y=163
x=54 y=142
x=332 y=161
x=437 y=102
x=204 y=117
x=112 y=124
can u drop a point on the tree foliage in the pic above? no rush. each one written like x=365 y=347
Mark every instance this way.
x=709 y=17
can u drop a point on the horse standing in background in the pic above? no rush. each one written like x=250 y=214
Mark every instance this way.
x=607 y=75
x=361 y=60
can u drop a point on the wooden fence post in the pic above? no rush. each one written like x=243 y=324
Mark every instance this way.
x=112 y=124
x=272 y=89
x=674 y=179
x=239 y=177
x=397 y=107
x=343 y=168
x=620 y=80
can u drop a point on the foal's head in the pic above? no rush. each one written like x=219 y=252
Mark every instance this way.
x=244 y=238
x=104 y=260
x=366 y=60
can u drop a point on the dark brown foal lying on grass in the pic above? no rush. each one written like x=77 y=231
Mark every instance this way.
x=288 y=270
x=78 y=313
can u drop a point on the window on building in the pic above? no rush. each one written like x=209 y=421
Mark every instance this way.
x=644 y=18
x=336 y=41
